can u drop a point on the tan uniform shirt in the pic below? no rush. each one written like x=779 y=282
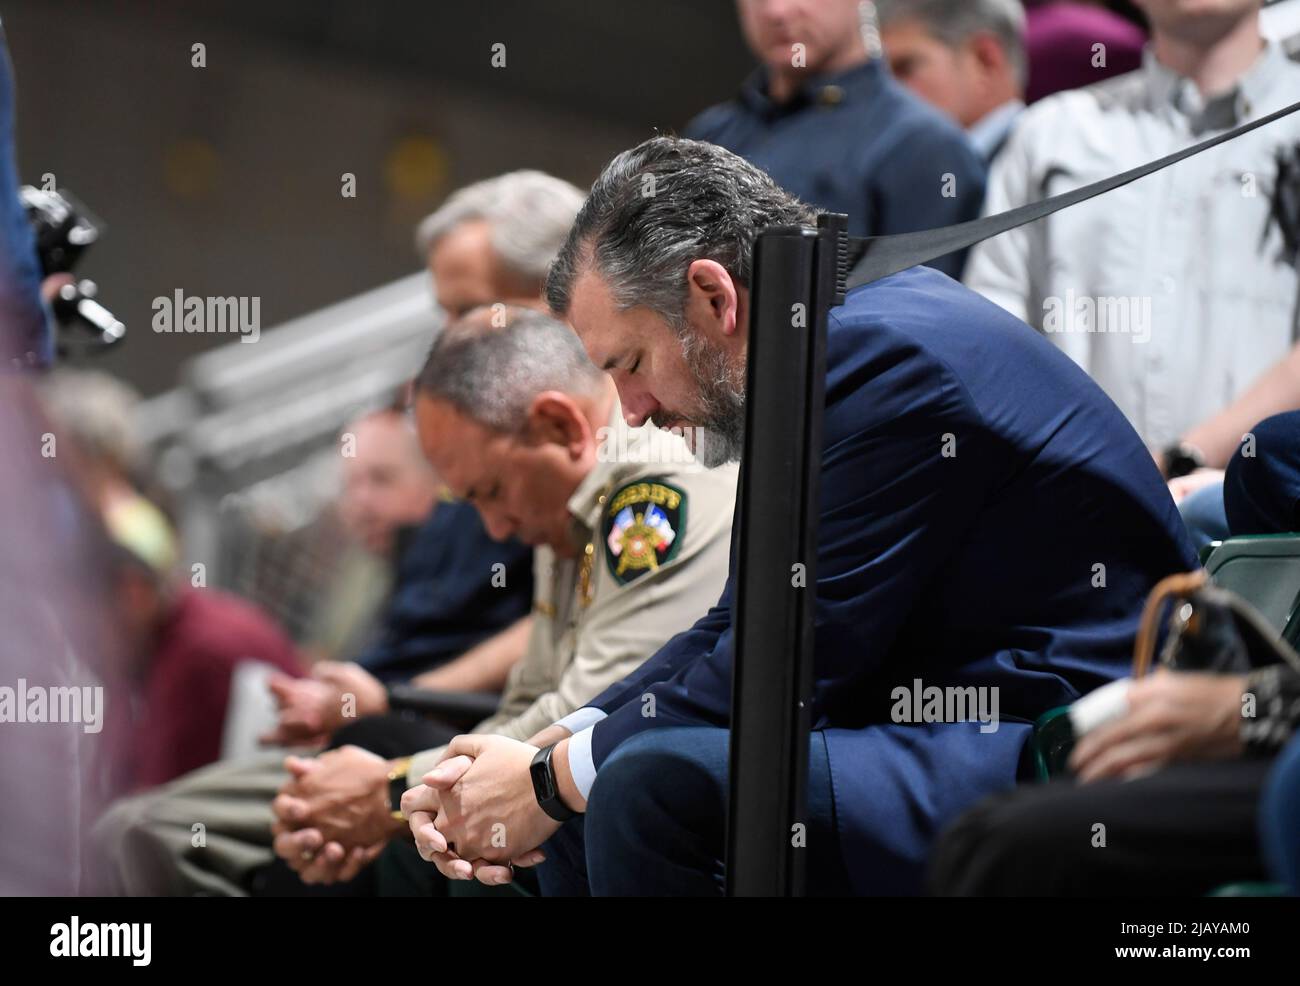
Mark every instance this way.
x=656 y=529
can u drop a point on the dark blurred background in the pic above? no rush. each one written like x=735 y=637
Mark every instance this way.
x=226 y=180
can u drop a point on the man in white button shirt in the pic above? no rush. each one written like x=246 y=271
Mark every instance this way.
x=1175 y=293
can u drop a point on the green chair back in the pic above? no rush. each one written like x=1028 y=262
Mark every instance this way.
x=1264 y=570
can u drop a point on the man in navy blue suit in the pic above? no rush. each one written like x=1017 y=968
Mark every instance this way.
x=990 y=526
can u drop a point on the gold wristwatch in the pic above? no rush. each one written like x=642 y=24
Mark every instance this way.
x=397 y=787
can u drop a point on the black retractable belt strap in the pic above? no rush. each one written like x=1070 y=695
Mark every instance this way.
x=874 y=257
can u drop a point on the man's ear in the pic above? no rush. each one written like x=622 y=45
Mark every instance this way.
x=554 y=418
x=711 y=293
x=987 y=51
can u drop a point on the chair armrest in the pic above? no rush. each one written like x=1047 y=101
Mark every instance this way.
x=462 y=709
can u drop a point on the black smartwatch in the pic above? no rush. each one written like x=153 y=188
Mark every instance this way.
x=545 y=787
x=1181 y=459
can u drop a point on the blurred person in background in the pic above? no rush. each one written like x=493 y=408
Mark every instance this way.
x=186 y=644
x=822 y=116
x=964 y=57
x=183 y=641
x=1200 y=494
x=1258 y=492
x=1072 y=44
x=489 y=242
x=437 y=632
x=459 y=605
x=1174 y=332
x=493 y=241
x=96 y=412
x=60 y=632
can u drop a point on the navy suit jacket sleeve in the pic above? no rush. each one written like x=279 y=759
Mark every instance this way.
x=906 y=464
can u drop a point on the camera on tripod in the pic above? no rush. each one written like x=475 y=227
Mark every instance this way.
x=65 y=229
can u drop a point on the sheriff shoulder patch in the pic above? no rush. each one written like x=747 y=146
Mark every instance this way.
x=643 y=528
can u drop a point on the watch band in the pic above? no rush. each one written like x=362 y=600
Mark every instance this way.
x=397 y=786
x=546 y=788
x=1181 y=459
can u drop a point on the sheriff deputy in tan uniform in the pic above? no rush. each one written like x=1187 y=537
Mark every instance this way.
x=643 y=549
x=598 y=614
x=632 y=541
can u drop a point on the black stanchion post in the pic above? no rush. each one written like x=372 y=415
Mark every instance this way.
x=796 y=277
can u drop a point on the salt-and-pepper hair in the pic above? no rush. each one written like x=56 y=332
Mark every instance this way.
x=660 y=206
x=494 y=362
x=953 y=21
x=529 y=213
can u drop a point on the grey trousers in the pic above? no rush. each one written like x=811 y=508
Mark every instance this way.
x=202 y=834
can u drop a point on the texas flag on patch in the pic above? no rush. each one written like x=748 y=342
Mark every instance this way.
x=655 y=529
x=644 y=525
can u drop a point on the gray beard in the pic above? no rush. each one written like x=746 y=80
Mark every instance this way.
x=720 y=416
x=713 y=448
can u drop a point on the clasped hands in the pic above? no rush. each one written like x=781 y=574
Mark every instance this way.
x=312 y=708
x=332 y=816
x=475 y=816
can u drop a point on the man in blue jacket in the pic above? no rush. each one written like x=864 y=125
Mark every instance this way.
x=823 y=116
x=989 y=528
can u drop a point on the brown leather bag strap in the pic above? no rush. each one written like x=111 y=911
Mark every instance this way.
x=1178 y=586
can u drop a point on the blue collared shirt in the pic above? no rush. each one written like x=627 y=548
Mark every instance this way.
x=855 y=142
x=990 y=132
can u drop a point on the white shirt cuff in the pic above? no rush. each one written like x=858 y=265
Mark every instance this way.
x=421 y=764
x=581 y=765
x=575 y=722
